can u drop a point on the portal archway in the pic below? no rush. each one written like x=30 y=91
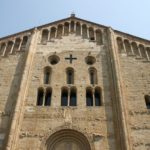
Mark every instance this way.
x=67 y=139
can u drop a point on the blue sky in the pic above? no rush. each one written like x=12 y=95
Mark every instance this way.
x=130 y=16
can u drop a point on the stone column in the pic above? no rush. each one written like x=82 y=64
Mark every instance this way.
x=69 y=91
x=75 y=27
x=94 y=34
x=93 y=89
x=49 y=34
x=132 y=49
x=55 y=32
x=44 y=95
x=63 y=30
x=69 y=27
x=19 y=48
x=146 y=53
x=5 y=49
x=81 y=30
x=124 y=48
x=148 y=56
x=139 y=51
x=88 y=33
x=12 y=48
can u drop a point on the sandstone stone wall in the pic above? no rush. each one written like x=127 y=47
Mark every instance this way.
x=40 y=121
x=135 y=72
x=123 y=75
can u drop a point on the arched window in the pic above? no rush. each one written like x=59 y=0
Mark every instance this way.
x=47 y=74
x=53 y=33
x=128 y=47
x=135 y=49
x=91 y=34
x=17 y=44
x=99 y=38
x=78 y=28
x=73 y=97
x=84 y=31
x=72 y=26
x=59 y=31
x=142 y=50
x=24 y=42
x=93 y=75
x=89 y=97
x=44 y=38
x=147 y=101
x=97 y=95
x=70 y=75
x=120 y=45
x=66 y=28
x=40 y=97
x=2 y=48
x=48 y=97
x=9 y=47
x=64 y=97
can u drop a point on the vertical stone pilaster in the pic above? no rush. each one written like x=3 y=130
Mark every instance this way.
x=17 y=115
x=118 y=97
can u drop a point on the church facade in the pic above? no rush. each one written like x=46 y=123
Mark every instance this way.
x=74 y=85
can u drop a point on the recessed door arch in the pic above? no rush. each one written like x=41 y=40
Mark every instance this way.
x=67 y=139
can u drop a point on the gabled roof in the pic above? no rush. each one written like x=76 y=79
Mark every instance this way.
x=72 y=17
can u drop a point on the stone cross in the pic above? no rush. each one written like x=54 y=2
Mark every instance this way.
x=71 y=58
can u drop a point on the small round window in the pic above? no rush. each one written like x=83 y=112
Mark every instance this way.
x=54 y=59
x=90 y=60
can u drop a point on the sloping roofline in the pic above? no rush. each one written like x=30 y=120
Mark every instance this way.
x=68 y=18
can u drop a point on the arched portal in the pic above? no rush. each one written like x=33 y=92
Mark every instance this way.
x=67 y=139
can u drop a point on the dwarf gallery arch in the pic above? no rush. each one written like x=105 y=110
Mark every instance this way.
x=67 y=139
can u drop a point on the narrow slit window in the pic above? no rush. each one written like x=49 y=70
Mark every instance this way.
x=97 y=95
x=2 y=48
x=24 y=43
x=147 y=101
x=91 y=34
x=93 y=76
x=72 y=26
x=84 y=31
x=64 y=97
x=78 y=28
x=47 y=72
x=89 y=97
x=66 y=28
x=48 y=97
x=70 y=76
x=73 y=97
x=53 y=33
x=99 y=37
x=120 y=45
x=40 y=97
x=59 y=31
x=44 y=38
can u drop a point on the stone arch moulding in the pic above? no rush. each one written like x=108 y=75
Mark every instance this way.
x=50 y=140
